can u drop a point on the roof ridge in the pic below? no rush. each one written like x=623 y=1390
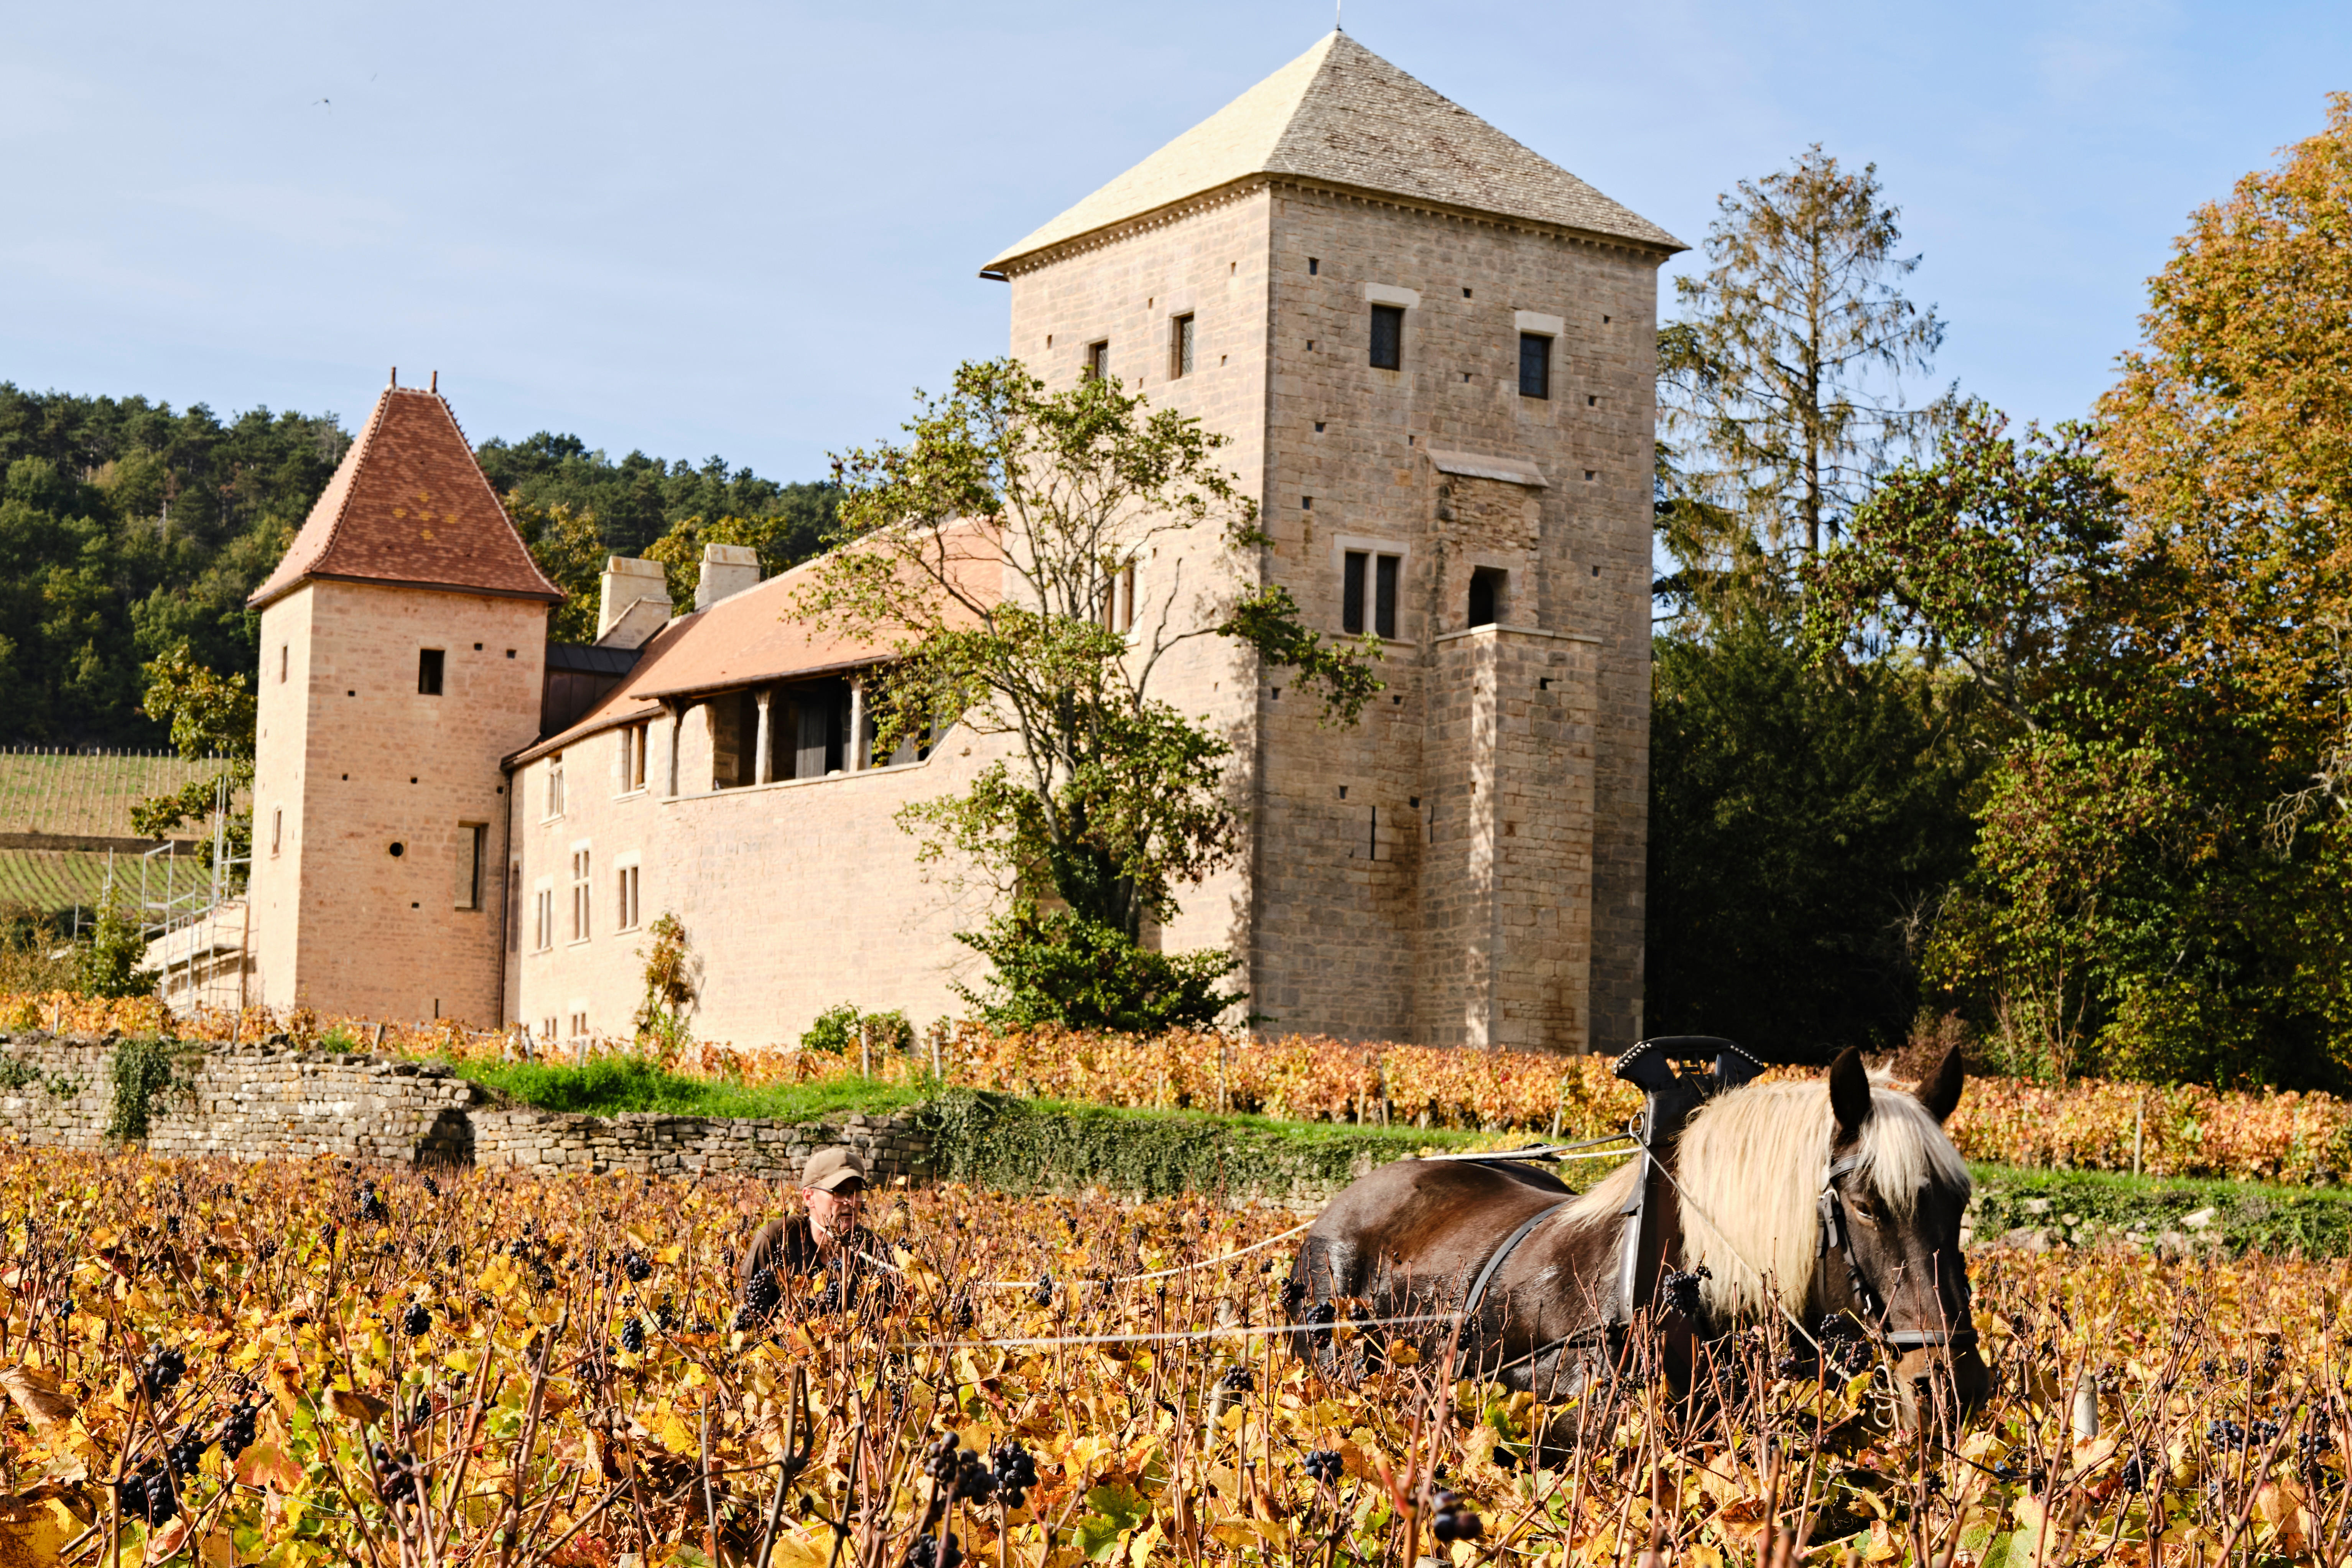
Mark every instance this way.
x=360 y=453
x=1342 y=114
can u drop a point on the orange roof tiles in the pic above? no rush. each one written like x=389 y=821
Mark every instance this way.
x=747 y=639
x=409 y=506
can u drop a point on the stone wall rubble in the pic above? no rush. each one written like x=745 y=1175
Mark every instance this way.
x=271 y=1101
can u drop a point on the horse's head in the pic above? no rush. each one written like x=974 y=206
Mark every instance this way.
x=1890 y=1206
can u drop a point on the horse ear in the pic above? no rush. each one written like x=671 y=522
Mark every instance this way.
x=1941 y=1093
x=1849 y=1092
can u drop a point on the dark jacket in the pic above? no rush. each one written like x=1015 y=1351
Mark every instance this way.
x=788 y=1248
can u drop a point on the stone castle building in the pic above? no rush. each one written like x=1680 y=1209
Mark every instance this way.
x=1433 y=352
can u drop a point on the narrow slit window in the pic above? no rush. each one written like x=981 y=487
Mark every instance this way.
x=282 y=657
x=472 y=839
x=277 y=828
x=1534 y=365
x=428 y=671
x=1384 y=596
x=1351 y=591
x=1099 y=360
x=1181 y=346
x=1388 y=337
x=543 y=920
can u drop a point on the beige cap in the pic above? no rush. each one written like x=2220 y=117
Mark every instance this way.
x=830 y=1169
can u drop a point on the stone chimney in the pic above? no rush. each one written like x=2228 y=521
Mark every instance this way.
x=726 y=571
x=633 y=603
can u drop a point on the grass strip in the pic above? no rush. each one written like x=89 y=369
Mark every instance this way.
x=615 y=1086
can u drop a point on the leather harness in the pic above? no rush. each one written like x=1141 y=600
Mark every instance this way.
x=1671 y=1098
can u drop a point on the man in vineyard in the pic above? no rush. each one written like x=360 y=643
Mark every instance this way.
x=825 y=1240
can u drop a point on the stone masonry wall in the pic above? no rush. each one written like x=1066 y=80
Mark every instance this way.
x=270 y=1101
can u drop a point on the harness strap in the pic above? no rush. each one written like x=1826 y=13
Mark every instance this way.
x=1833 y=1234
x=1494 y=1259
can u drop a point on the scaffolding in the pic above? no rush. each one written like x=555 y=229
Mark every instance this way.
x=190 y=930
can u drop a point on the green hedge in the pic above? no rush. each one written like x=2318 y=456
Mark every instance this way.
x=1008 y=1143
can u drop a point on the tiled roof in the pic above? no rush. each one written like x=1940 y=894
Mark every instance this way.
x=408 y=505
x=1340 y=114
x=751 y=638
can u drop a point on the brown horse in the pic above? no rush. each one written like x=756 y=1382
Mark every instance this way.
x=1835 y=1198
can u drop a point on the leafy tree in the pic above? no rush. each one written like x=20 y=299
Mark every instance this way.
x=2000 y=555
x=566 y=545
x=1058 y=967
x=1774 y=374
x=1112 y=798
x=1804 y=821
x=209 y=715
x=781 y=539
x=108 y=962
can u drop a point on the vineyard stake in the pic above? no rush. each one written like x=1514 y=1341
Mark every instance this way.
x=2139 y=1130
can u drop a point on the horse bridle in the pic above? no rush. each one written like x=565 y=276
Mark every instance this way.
x=1837 y=1234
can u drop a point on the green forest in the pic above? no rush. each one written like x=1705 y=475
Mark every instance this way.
x=128 y=529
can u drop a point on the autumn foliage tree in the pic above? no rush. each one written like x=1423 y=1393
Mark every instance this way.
x=2160 y=606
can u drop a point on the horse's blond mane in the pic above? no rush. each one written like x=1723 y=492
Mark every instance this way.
x=1752 y=1162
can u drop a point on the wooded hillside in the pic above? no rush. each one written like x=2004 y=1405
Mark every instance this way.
x=128 y=528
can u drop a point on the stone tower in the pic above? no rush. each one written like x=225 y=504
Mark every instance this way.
x=1434 y=353
x=402 y=640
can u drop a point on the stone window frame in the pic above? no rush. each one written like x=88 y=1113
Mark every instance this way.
x=543 y=912
x=1528 y=324
x=553 y=805
x=1342 y=544
x=582 y=884
x=1183 y=343
x=1405 y=301
x=630 y=906
x=635 y=751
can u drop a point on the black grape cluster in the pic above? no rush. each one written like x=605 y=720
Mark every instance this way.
x=2230 y=1435
x=1044 y=1294
x=1238 y=1380
x=235 y=1434
x=371 y=1205
x=161 y=1370
x=634 y=1265
x=1323 y=1467
x=148 y=1495
x=633 y=1334
x=186 y=1451
x=925 y=1553
x=415 y=1322
x=1682 y=1291
x=953 y=1466
x=395 y=1475
x=762 y=1296
x=1015 y=1473
x=1455 y=1521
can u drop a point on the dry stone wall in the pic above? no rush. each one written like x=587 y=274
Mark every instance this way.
x=271 y=1101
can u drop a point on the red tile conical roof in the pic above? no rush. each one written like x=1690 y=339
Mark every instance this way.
x=409 y=506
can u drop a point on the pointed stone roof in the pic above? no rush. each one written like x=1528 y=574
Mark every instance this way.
x=1340 y=115
x=409 y=506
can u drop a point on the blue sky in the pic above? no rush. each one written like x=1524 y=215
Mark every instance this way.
x=753 y=229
